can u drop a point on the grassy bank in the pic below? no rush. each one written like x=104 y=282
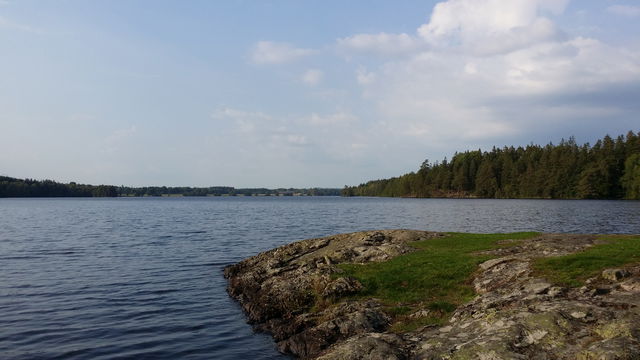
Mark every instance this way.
x=436 y=277
x=572 y=270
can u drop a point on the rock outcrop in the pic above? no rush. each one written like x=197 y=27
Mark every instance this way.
x=296 y=293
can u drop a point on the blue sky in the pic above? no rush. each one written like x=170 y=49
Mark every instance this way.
x=302 y=93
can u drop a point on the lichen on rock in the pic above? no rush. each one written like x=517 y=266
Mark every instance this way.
x=299 y=294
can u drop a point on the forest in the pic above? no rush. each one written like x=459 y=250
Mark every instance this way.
x=608 y=169
x=12 y=187
x=222 y=191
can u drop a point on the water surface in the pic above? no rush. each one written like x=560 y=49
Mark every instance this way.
x=142 y=278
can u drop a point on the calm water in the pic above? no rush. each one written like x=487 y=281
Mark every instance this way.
x=142 y=278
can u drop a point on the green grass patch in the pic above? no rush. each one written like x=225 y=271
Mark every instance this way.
x=437 y=276
x=398 y=310
x=573 y=269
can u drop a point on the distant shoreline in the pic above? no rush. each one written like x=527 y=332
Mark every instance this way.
x=29 y=188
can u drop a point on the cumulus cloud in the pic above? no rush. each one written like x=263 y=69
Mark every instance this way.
x=491 y=26
x=624 y=10
x=495 y=69
x=477 y=72
x=312 y=77
x=365 y=77
x=269 y=52
x=479 y=27
x=576 y=65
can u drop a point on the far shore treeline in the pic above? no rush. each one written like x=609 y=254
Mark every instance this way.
x=12 y=187
x=608 y=169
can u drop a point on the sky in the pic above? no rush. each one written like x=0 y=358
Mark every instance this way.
x=295 y=93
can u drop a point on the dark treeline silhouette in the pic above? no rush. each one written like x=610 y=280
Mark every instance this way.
x=12 y=187
x=222 y=191
x=610 y=169
x=164 y=190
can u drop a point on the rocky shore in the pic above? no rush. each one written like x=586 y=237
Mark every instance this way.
x=297 y=294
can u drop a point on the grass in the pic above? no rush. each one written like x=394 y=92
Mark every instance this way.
x=572 y=270
x=437 y=276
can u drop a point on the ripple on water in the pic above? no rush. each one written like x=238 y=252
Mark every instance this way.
x=142 y=278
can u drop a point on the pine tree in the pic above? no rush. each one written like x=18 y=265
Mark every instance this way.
x=486 y=182
x=631 y=178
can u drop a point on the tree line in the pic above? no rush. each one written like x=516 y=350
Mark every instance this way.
x=12 y=187
x=608 y=169
x=223 y=191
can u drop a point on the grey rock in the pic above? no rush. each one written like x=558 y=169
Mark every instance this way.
x=372 y=346
x=615 y=274
x=599 y=291
x=537 y=287
x=632 y=285
x=341 y=287
x=296 y=294
x=291 y=292
x=493 y=262
x=375 y=238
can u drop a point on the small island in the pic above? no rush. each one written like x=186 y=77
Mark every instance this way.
x=406 y=294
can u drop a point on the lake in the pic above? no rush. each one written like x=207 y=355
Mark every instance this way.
x=136 y=278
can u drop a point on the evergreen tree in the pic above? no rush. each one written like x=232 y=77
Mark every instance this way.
x=486 y=182
x=631 y=178
x=606 y=170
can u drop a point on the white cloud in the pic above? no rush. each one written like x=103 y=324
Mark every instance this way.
x=624 y=10
x=488 y=27
x=312 y=77
x=381 y=43
x=478 y=72
x=576 y=65
x=365 y=77
x=453 y=96
x=480 y=27
x=496 y=69
x=269 y=52
x=471 y=68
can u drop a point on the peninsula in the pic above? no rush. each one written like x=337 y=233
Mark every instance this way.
x=405 y=294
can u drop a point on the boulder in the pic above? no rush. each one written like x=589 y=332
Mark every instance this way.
x=615 y=274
